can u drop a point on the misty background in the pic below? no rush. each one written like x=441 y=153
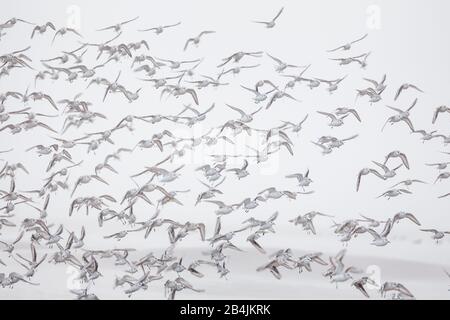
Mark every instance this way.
x=408 y=41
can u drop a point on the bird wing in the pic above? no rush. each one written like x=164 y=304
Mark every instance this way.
x=217 y=227
x=257 y=245
x=330 y=115
x=362 y=38
x=387 y=228
x=275 y=58
x=398 y=92
x=236 y=109
x=187 y=43
x=404 y=160
x=411 y=217
x=278 y=14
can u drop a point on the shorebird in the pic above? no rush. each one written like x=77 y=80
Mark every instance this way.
x=405 y=215
x=12 y=279
x=118 y=235
x=12 y=22
x=12 y=194
x=41 y=29
x=303 y=179
x=401 y=116
x=118 y=27
x=207 y=82
x=397 y=154
x=196 y=40
x=273 y=193
x=64 y=31
x=408 y=182
x=396 y=287
x=364 y=172
x=388 y=173
x=245 y=117
x=192 y=268
x=281 y=65
x=199 y=116
x=137 y=45
x=33 y=263
x=372 y=223
x=375 y=96
x=304 y=262
x=85 y=180
x=436 y=234
x=178 y=284
x=299 y=78
x=334 y=142
x=160 y=29
x=270 y=24
x=348 y=45
x=306 y=220
x=58 y=157
x=342 y=111
x=210 y=193
x=334 y=120
x=236 y=70
x=446 y=139
x=78 y=242
x=9 y=247
x=10 y=170
x=406 y=86
x=212 y=173
x=332 y=84
x=325 y=149
x=378 y=86
x=5 y=116
x=252 y=238
x=443 y=175
x=249 y=203
x=380 y=239
x=394 y=193
x=439 y=110
x=295 y=127
x=152 y=224
x=240 y=172
x=274 y=265
x=440 y=166
x=259 y=97
x=78 y=58
x=356 y=59
x=360 y=285
x=263 y=226
x=186 y=228
x=177 y=91
x=177 y=64
x=278 y=95
x=223 y=208
x=340 y=273
x=426 y=136
x=38 y=96
x=236 y=57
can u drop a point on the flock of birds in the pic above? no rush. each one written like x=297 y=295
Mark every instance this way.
x=28 y=111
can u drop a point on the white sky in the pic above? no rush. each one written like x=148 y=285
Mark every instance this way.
x=408 y=41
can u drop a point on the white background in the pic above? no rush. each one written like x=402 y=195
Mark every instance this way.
x=410 y=45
